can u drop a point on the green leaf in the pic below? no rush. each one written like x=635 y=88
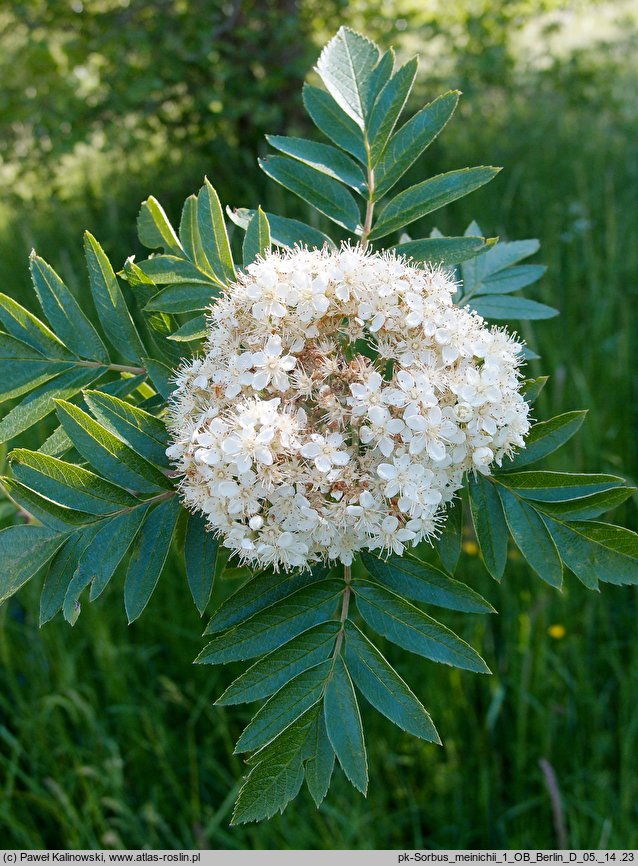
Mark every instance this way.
x=79 y=579
x=109 y=302
x=343 y=724
x=511 y=280
x=24 y=368
x=319 y=190
x=322 y=158
x=448 y=544
x=430 y=195
x=334 y=122
x=505 y=307
x=532 y=538
x=142 y=285
x=382 y=687
x=345 y=66
x=23 y=552
x=408 y=627
x=183 y=298
x=505 y=254
x=257 y=239
x=59 y=574
x=276 y=625
x=157 y=325
x=276 y=775
x=54 y=516
x=159 y=375
x=533 y=387
x=489 y=525
x=587 y=507
x=99 y=561
x=546 y=436
x=445 y=251
x=190 y=237
x=200 y=555
x=258 y=593
x=411 y=140
x=68 y=485
x=154 y=229
x=170 y=270
x=194 y=329
x=40 y=402
x=284 y=232
x=528 y=355
x=270 y=673
x=597 y=551
x=150 y=550
x=65 y=314
x=213 y=234
x=125 y=385
x=143 y=432
x=421 y=581
x=285 y=707
x=109 y=455
x=545 y=486
x=388 y=107
x=378 y=79
x=57 y=444
x=24 y=326
x=320 y=761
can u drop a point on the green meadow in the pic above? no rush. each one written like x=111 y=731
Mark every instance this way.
x=109 y=736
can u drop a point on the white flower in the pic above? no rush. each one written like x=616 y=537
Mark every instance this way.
x=399 y=474
x=324 y=451
x=389 y=536
x=312 y=302
x=412 y=388
x=381 y=429
x=482 y=458
x=298 y=448
x=271 y=366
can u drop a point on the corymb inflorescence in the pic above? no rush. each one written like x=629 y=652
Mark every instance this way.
x=339 y=402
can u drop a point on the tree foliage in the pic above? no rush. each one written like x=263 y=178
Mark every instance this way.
x=99 y=495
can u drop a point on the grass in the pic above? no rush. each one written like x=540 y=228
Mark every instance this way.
x=108 y=734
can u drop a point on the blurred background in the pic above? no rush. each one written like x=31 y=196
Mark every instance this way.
x=108 y=736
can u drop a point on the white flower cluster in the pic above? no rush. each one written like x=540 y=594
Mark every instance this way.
x=341 y=398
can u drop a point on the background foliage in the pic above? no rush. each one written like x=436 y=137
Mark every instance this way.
x=550 y=105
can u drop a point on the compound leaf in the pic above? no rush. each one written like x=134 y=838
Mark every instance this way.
x=345 y=66
x=489 y=525
x=68 y=485
x=200 y=556
x=328 y=196
x=430 y=195
x=276 y=625
x=150 y=550
x=258 y=593
x=154 y=229
x=23 y=551
x=421 y=581
x=343 y=724
x=257 y=239
x=284 y=707
x=274 y=670
x=408 y=627
x=143 y=432
x=532 y=538
x=109 y=301
x=109 y=455
x=65 y=314
x=545 y=437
